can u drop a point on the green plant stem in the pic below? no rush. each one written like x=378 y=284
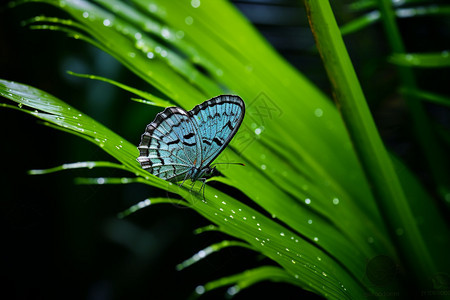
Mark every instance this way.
x=437 y=161
x=368 y=145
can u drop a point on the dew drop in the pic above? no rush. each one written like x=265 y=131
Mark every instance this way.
x=310 y=221
x=258 y=131
x=85 y=15
x=308 y=201
x=189 y=20
x=316 y=239
x=318 y=112
x=100 y=180
x=335 y=201
x=107 y=22
x=153 y=7
x=195 y=3
x=263 y=167
x=150 y=55
x=282 y=234
x=200 y=289
x=202 y=253
x=233 y=290
x=165 y=33
x=179 y=34
x=406 y=12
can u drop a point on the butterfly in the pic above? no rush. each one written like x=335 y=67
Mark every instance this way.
x=180 y=145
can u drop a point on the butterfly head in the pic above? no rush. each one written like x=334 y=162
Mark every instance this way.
x=202 y=173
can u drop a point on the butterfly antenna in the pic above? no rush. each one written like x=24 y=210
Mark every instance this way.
x=232 y=163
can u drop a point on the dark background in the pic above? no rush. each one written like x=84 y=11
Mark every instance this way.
x=62 y=240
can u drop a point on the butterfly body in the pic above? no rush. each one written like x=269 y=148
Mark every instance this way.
x=180 y=145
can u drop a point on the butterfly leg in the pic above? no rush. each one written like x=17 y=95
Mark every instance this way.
x=203 y=186
x=185 y=177
x=192 y=185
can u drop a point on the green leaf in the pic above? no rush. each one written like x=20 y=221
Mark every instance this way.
x=360 y=22
x=422 y=60
x=246 y=279
x=147 y=202
x=210 y=250
x=374 y=16
x=149 y=98
x=78 y=165
x=379 y=169
x=427 y=96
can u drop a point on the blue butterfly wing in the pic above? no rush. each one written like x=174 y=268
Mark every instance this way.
x=170 y=146
x=218 y=120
